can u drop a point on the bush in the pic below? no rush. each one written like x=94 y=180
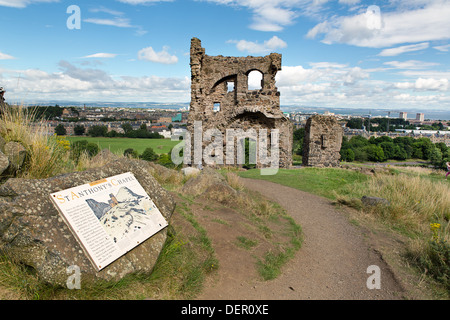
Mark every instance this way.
x=436 y=260
x=149 y=155
x=130 y=152
x=83 y=146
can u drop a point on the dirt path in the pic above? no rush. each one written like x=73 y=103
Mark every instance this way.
x=332 y=263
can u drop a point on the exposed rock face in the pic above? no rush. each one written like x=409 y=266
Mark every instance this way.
x=33 y=233
x=374 y=201
x=12 y=157
x=221 y=99
x=322 y=142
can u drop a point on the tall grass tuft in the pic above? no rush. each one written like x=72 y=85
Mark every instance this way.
x=47 y=154
x=415 y=201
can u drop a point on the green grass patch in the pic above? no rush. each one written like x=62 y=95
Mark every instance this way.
x=321 y=181
x=245 y=243
x=119 y=145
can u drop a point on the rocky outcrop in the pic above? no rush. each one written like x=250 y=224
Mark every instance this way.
x=33 y=233
x=12 y=157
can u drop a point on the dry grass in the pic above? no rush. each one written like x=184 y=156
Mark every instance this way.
x=234 y=181
x=415 y=201
x=47 y=155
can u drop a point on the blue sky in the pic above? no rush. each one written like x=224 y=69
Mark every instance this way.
x=389 y=54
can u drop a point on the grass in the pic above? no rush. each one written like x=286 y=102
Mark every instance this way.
x=179 y=273
x=323 y=182
x=46 y=155
x=119 y=145
x=245 y=243
x=419 y=198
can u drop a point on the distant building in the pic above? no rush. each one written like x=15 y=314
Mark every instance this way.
x=403 y=115
x=164 y=120
x=420 y=116
x=177 y=118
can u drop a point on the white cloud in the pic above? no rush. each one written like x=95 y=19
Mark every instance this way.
x=443 y=48
x=4 y=56
x=101 y=55
x=270 y=45
x=409 y=22
x=410 y=64
x=116 y=22
x=425 y=84
x=271 y=15
x=432 y=84
x=402 y=49
x=114 y=19
x=22 y=3
x=163 y=56
x=88 y=84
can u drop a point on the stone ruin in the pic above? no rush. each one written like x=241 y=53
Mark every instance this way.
x=221 y=99
x=322 y=142
x=2 y=93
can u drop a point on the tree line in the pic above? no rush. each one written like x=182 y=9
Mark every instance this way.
x=384 y=148
x=102 y=131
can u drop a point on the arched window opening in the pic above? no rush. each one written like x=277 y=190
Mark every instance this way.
x=255 y=80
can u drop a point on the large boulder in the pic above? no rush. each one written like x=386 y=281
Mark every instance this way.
x=32 y=231
x=16 y=154
x=4 y=162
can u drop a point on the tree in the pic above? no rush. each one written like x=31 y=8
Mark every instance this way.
x=347 y=155
x=98 y=131
x=436 y=157
x=355 y=123
x=375 y=153
x=126 y=127
x=79 y=130
x=60 y=130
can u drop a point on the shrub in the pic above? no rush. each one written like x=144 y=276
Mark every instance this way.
x=83 y=146
x=149 y=154
x=131 y=153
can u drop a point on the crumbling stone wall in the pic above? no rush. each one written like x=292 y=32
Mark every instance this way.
x=221 y=99
x=322 y=142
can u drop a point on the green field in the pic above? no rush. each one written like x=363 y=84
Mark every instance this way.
x=119 y=145
x=324 y=182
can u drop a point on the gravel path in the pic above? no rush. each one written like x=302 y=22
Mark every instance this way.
x=331 y=265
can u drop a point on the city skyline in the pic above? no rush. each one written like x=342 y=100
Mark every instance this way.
x=342 y=54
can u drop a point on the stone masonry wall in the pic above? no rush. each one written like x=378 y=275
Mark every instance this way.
x=218 y=107
x=322 y=142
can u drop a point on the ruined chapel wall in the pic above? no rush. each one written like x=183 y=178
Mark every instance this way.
x=322 y=142
x=239 y=108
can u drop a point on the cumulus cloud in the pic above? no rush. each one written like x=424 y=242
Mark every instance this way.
x=89 y=84
x=163 y=56
x=272 y=15
x=270 y=45
x=409 y=22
